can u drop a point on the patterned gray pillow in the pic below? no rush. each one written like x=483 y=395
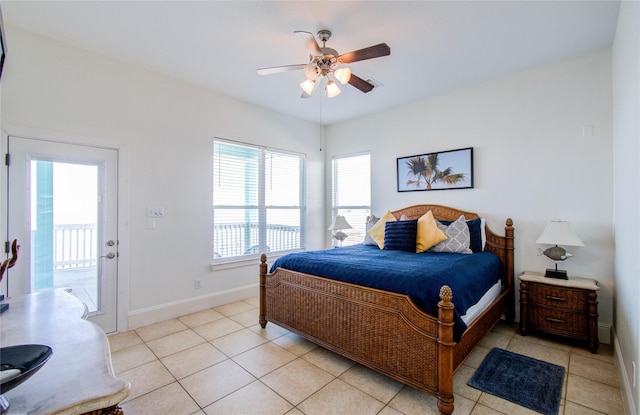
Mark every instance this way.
x=458 y=237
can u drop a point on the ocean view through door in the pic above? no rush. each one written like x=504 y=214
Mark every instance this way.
x=62 y=202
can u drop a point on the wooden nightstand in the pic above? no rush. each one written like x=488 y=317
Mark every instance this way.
x=567 y=308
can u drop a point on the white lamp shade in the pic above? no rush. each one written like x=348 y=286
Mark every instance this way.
x=307 y=86
x=558 y=232
x=332 y=89
x=339 y=222
x=311 y=71
x=343 y=75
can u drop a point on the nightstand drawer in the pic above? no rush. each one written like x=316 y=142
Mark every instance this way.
x=559 y=297
x=554 y=320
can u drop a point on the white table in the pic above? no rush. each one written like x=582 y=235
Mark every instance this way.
x=78 y=378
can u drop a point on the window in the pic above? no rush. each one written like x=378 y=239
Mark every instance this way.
x=258 y=201
x=351 y=184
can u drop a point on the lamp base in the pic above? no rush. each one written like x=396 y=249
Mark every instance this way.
x=340 y=236
x=556 y=273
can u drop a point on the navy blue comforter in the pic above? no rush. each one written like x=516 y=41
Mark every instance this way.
x=418 y=275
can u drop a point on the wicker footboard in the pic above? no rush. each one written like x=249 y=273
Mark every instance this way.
x=381 y=330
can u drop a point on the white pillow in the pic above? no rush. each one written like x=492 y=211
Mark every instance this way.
x=368 y=239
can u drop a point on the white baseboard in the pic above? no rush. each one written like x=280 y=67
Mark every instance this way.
x=156 y=314
x=625 y=387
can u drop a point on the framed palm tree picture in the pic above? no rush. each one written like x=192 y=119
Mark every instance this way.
x=443 y=170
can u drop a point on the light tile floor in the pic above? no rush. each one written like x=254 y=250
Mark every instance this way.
x=219 y=361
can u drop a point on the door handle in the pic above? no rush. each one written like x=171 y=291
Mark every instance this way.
x=110 y=255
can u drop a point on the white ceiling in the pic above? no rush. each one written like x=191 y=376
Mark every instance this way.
x=436 y=46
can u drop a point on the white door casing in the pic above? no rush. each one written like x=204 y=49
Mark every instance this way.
x=24 y=152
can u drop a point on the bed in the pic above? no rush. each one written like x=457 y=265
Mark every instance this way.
x=384 y=330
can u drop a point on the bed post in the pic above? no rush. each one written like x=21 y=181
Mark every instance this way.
x=510 y=314
x=445 y=351
x=263 y=278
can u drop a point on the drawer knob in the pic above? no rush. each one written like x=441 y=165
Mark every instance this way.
x=554 y=298
x=555 y=320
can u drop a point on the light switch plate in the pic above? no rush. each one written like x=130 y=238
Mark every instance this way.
x=155 y=211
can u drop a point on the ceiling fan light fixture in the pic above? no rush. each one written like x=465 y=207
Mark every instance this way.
x=324 y=61
x=332 y=89
x=343 y=75
x=311 y=70
x=308 y=85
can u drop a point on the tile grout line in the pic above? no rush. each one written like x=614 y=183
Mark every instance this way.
x=510 y=335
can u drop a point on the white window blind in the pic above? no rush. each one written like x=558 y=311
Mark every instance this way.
x=351 y=190
x=258 y=201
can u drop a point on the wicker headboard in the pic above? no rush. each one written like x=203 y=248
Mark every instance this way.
x=439 y=212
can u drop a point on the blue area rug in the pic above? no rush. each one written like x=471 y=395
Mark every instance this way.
x=529 y=382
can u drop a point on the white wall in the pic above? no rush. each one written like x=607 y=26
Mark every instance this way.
x=532 y=162
x=626 y=144
x=164 y=130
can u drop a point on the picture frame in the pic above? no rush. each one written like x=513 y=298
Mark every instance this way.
x=442 y=170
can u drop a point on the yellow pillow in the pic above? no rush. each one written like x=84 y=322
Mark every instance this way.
x=377 y=230
x=428 y=233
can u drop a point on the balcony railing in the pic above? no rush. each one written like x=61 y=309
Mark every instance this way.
x=237 y=239
x=75 y=246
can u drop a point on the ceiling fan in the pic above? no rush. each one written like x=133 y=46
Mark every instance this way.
x=324 y=61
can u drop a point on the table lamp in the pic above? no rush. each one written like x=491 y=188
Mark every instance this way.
x=339 y=223
x=558 y=232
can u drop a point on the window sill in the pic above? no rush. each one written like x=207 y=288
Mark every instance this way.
x=247 y=261
x=240 y=263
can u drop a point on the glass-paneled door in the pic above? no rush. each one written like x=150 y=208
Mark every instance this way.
x=62 y=201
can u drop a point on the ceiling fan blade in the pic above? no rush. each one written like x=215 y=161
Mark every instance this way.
x=278 y=69
x=309 y=42
x=305 y=95
x=367 y=53
x=360 y=83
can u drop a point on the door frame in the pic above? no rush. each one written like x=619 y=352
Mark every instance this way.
x=123 y=214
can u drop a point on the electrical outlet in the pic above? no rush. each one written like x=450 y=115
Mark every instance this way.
x=197 y=283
